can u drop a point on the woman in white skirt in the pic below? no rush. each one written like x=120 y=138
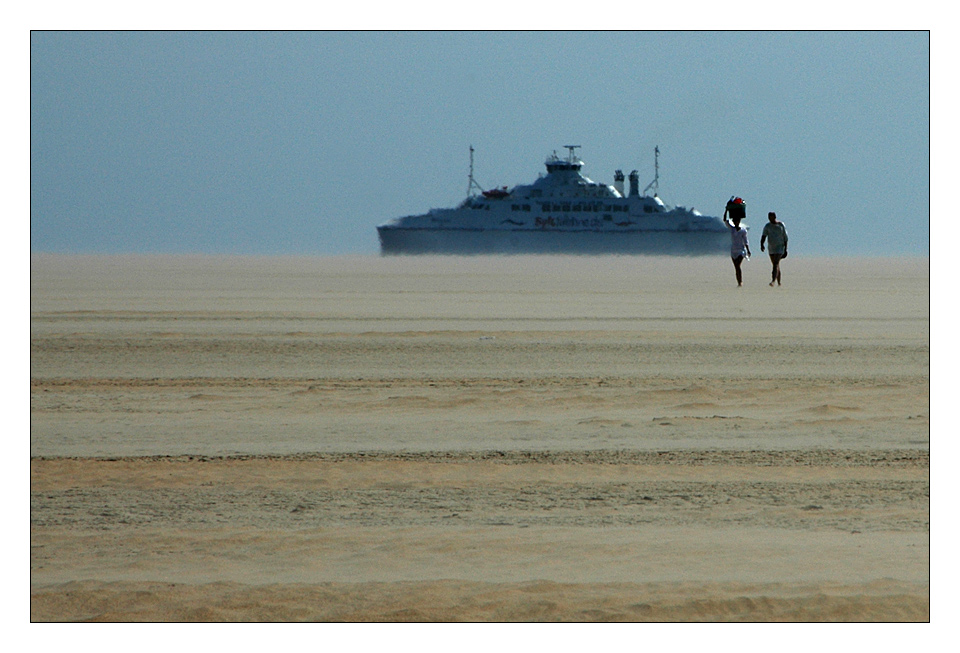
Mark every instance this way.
x=739 y=246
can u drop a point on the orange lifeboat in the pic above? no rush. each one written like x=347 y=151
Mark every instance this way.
x=496 y=193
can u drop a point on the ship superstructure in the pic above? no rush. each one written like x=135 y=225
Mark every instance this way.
x=561 y=212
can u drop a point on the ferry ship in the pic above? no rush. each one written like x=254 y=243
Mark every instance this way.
x=562 y=212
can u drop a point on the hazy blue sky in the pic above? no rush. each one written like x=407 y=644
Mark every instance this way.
x=301 y=143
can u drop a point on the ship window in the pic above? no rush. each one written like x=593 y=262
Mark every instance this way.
x=566 y=207
x=545 y=207
x=647 y=208
x=576 y=207
x=526 y=207
x=514 y=207
x=607 y=217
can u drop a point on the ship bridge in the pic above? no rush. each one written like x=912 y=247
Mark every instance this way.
x=571 y=163
x=565 y=179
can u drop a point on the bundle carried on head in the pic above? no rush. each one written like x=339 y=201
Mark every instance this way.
x=737 y=208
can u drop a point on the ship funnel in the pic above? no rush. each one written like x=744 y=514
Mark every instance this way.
x=618 y=181
x=634 y=184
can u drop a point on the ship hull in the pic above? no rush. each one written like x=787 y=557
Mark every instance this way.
x=400 y=240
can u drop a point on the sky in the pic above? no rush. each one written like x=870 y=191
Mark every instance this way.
x=303 y=142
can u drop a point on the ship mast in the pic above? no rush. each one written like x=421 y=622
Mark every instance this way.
x=472 y=182
x=655 y=184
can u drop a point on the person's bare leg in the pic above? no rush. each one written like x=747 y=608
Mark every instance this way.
x=736 y=264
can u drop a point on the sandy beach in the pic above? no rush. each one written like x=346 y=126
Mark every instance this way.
x=478 y=439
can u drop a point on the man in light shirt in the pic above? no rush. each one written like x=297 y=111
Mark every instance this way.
x=775 y=234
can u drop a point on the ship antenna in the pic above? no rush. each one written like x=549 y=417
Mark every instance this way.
x=573 y=153
x=472 y=182
x=655 y=184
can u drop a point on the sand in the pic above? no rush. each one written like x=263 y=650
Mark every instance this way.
x=478 y=439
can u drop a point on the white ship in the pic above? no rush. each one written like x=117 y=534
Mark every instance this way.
x=561 y=212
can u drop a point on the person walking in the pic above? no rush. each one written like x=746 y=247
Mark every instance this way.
x=775 y=235
x=739 y=246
